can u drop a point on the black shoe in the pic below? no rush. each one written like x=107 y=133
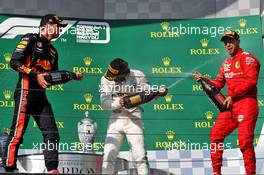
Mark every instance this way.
x=11 y=170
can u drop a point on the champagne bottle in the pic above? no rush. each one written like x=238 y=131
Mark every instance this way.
x=59 y=77
x=136 y=99
x=214 y=94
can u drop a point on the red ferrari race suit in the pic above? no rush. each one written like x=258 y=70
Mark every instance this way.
x=240 y=73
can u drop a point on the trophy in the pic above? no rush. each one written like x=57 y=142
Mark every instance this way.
x=87 y=130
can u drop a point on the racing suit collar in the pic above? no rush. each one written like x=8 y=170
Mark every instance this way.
x=239 y=52
x=43 y=39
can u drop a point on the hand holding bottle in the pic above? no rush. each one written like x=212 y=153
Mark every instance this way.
x=122 y=100
x=163 y=91
x=197 y=76
x=78 y=76
x=213 y=93
x=42 y=81
x=228 y=102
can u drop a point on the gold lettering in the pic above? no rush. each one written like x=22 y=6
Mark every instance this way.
x=88 y=70
x=211 y=51
x=166 y=145
x=260 y=102
x=159 y=34
x=56 y=88
x=197 y=88
x=193 y=51
x=247 y=31
x=168 y=107
x=158 y=145
x=4 y=66
x=90 y=107
x=165 y=34
x=203 y=124
x=153 y=35
x=254 y=30
x=60 y=124
x=166 y=70
x=7 y=104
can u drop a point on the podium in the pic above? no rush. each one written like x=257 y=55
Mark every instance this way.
x=69 y=163
x=75 y=163
x=152 y=171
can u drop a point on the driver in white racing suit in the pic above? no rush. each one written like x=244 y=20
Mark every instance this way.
x=118 y=82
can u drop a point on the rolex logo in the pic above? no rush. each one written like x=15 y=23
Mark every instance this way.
x=87 y=61
x=170 y=135
x=168 y=98
x=209 y=115
x=166 y=61
x=242 y=23
x=88 y=97
x=165 y=26
x=204 y=42
x=7 y=57
x=7 y=94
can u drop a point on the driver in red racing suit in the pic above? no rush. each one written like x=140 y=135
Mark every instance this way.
x=240 y=74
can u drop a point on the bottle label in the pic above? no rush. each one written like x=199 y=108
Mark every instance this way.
x=135 y=99
x=220 y=98
x=56 y=77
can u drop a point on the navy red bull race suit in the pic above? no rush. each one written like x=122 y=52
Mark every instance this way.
x=240 y=74
x=33 y=54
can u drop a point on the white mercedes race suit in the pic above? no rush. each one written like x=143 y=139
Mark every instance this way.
x=124 y=122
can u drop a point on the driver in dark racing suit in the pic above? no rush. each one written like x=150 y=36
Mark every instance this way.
x=33 y=57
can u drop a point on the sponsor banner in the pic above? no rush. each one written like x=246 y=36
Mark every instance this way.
x=167 y=51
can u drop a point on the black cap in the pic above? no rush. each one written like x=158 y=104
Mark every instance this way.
x=117 y=70
x=230 y=34
x=53 y=19
x=118 y=67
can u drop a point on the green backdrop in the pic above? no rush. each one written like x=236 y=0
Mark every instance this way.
x=165 y=50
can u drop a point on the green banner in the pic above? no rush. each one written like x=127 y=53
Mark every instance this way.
x=167 y=51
